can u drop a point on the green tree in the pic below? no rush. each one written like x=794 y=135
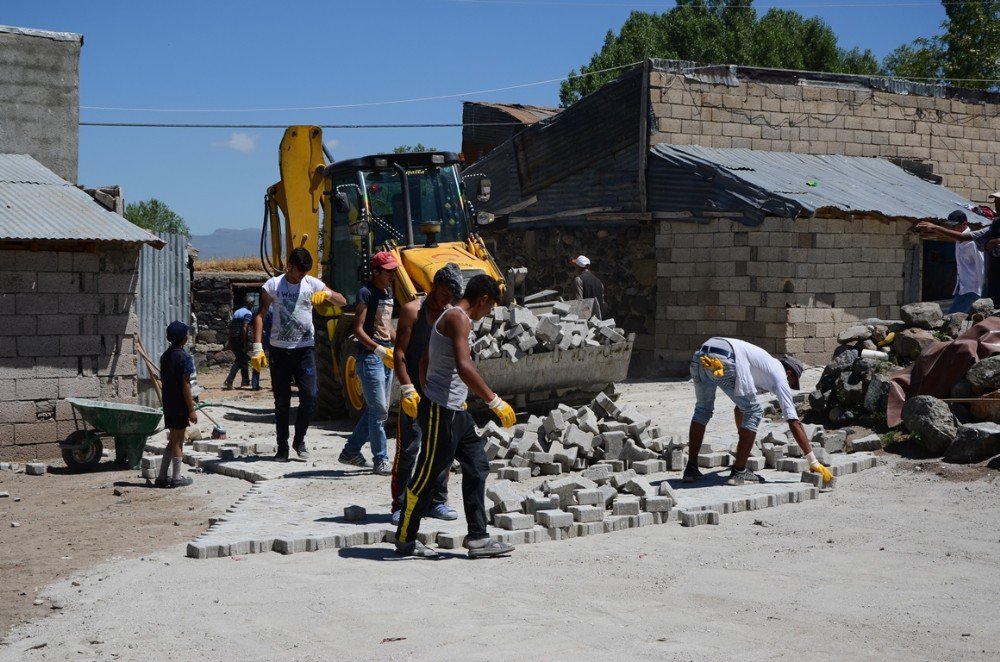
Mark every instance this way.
x=156 y=216
x=419 y=147
x=722 y=32
x=966 y=55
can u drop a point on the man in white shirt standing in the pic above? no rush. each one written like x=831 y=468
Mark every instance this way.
x=742 y=370
x=291 y=297
x=969 y=262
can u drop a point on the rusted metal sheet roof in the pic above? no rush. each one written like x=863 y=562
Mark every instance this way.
x=788 y=184
x=38 y=205
x=521 y=112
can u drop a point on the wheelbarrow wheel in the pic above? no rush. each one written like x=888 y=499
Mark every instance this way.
x=85 y=452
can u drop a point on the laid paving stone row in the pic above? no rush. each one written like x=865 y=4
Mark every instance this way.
x=296 y=515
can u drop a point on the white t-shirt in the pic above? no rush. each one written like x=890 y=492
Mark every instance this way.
x=292 y=323
x=969 y=260
x=759 y=372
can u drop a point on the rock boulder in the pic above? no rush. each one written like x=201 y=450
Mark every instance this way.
x=974 y=443
x=933 y=421
x=923 y=315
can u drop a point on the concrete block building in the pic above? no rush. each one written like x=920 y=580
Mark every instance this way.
x=695 y=243
x=68 y=278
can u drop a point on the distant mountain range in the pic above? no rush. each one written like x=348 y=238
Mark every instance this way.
x=225 y=242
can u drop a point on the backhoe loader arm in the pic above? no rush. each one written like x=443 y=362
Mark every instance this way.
x=298 y=196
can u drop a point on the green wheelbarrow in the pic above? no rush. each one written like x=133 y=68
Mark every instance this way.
x=129 y=425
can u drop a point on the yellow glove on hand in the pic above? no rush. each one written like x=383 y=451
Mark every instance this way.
x=409 y=399
x=386 y=354
x=258 y=360
x=818 y=468
x=713 y=365
x=503 y=411
x=319 y=297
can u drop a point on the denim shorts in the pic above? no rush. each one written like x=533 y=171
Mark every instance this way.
x=705 y=384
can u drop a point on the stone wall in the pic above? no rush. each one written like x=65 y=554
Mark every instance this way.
x=623 y=256
x=788 y=112
x=787 y=286
x=212 y=299
x=67 y=325
x=39 y=94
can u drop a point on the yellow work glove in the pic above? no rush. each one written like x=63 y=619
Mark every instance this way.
x=503 y=411
x=319 y=297
x=258 y=360
x=409 y=399
x=818 y=468
x=385 y=353
x=713 y=365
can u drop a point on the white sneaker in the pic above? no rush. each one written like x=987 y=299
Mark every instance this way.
x=383 y=468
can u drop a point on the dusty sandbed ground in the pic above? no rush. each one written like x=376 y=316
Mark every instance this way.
x=898 y=562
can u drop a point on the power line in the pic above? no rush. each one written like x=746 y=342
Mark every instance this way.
x=362 y=104
x=632 y=5
x=169 y=125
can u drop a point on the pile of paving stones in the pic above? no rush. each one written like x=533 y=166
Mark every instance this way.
x=855 y=384
x=568 y=439
x=516 y=331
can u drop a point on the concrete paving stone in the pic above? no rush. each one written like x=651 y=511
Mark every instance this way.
x=514 y=521
x=714 y=459
x=665 y=489
x=872 y=442
x=756 y=463
x=599 y=473
x=586 y=513
x=516 y=474
x=678 y=459
x=497 y=465
x=639 y=487
x=794 y=465
x=551 y=469
x=643 y=467
x=588 y=528
x=554 y=518
x=355 y=513
x=698 y=517
x=813 y=479
x=619 y=478
x=793 y=450
x=592 y=497
x=450 y=540
x=34 y=468
x=657 y=504
x=773 y=456
x=625 y=506
x=609 y=493
x=566 y=488
x=534 y=502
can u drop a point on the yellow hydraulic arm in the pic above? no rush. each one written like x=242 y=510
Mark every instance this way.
x=298 y=196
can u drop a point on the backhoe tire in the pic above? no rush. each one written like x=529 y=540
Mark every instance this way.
x=330 y=399
x=354 y=397
x=88 y=456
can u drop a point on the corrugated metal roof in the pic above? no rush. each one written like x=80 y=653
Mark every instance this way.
x=521 y=112
x=38 y=205
x=788 y=184
x=164 y=293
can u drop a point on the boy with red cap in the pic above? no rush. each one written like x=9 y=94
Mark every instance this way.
x=373 y=329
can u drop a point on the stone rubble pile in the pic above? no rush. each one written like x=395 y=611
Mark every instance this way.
x=515 y=332
x=855 y=384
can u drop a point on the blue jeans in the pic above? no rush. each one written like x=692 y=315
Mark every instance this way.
x=963 y=302
x=298 y=364
x=376 y=380
x=705 y=384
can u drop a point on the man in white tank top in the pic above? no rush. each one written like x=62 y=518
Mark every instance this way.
x=449 y=433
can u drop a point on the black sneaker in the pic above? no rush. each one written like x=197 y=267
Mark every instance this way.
x=300 y=450
x=227 y=386
x=692 y=474
x=354 y=460
x=183 y=481
x=161 y=482
x=738 y=477
x=281 y=455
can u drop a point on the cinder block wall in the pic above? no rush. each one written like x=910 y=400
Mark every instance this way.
x=67 y=325
x=957 y=137
x=787 y=286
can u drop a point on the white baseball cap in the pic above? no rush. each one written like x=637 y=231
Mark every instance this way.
x=995 y=195
x=581 y=261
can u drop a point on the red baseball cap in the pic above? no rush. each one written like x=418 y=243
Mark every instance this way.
x=384 y=260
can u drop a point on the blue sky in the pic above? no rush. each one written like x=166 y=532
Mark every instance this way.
x=252 y=54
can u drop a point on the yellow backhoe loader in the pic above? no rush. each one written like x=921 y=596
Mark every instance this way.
x=415 y=205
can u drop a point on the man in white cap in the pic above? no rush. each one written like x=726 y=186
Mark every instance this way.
x=586 y=285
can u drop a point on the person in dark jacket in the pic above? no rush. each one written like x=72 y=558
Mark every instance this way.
x=586 y=285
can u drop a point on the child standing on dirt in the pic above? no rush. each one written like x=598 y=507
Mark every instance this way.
x=176 y=368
